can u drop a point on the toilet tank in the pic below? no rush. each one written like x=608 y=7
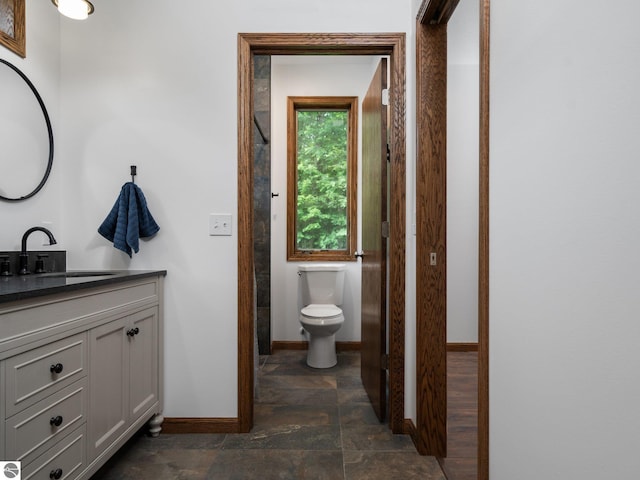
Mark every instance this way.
x=322 y=283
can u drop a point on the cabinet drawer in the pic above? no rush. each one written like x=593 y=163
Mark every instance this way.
x=35 y=374
x=41 y=424
x=67 y=459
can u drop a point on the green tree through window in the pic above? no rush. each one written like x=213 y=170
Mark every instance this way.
x=322 y=166
x=322 y=180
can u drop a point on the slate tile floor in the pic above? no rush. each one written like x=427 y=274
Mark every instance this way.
x=308 y=424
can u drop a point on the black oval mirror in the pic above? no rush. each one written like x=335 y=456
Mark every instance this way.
x=26 y=136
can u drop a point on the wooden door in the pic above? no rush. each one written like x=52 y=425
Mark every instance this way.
x=374 y=242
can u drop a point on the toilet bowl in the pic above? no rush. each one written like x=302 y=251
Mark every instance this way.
x=321 y=287
x=321 y=322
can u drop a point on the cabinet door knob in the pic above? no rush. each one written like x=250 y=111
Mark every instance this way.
x=56 y=474
x=56 y=421
x=133 y=331
x=57 y=368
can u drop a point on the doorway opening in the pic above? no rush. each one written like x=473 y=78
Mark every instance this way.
x=356 y=188
x=431 y=53
x=393 y=46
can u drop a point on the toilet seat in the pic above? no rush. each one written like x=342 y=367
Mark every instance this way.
x=321 y=312
x=321 y=322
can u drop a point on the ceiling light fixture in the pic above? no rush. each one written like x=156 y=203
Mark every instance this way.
x=76 y=9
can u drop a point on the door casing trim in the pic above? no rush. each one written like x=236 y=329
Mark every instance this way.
x=393 y=45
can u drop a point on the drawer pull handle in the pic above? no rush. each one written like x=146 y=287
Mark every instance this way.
x=56 y=474
x=133 y=331
x=56 y=421
x=57 y=368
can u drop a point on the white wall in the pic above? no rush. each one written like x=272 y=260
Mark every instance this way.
x=41 y=66
x=462 y=173
x=159 y=89
x=565 y=230
x=316 y=76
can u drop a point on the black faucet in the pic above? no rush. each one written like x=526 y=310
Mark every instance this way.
x=24 y=256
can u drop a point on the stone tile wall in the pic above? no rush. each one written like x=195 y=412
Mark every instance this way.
x=262 y=198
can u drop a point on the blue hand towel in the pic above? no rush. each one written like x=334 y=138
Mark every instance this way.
x=129 y=220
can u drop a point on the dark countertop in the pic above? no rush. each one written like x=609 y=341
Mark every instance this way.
x=20 y=287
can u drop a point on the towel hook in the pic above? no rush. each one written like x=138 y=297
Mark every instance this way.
x=134 y=172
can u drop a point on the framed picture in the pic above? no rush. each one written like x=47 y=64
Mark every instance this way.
x=12 y=30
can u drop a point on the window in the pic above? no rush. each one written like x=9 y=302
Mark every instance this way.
x=321 y=178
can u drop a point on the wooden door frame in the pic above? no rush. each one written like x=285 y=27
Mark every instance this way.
x=393 y=45
x=431 y=94
x=483 y=240
x=431 y=198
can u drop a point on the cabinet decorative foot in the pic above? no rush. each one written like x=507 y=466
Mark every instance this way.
x=155 y=425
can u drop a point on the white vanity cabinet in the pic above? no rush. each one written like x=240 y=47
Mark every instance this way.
x=80 y=373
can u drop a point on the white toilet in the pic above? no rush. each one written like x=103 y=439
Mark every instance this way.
x=321 y=287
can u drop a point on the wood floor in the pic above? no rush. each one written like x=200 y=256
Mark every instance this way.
x=462 y=413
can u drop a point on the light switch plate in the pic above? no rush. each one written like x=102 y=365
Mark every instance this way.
x=220 y=224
